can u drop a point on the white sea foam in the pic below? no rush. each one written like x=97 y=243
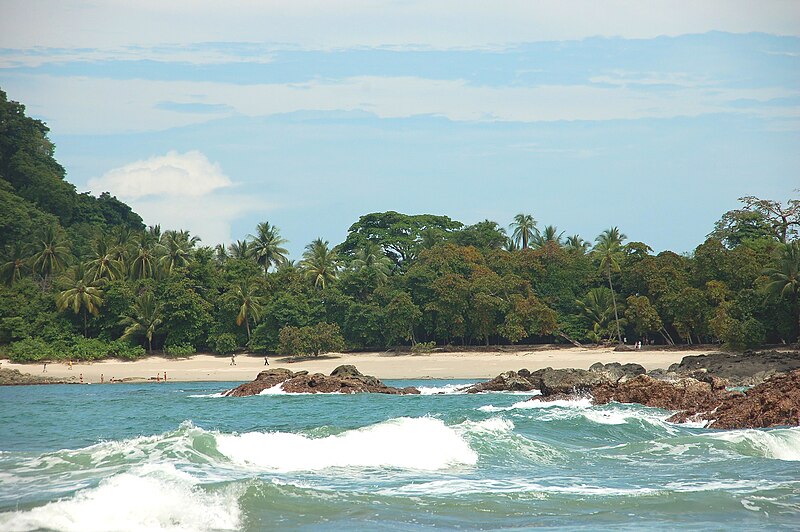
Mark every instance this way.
x=407 y=443
x=447 y=389
x=446 y=488
x=147 y=498
x=583 y=402
x=218 y=394
x=495 y=424
x=274 y=390
x=780 y=444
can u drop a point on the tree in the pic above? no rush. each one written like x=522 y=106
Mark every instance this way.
x=104 y=263
x=249 y=303
x=144 y=318
x=577 y=244
x=549 y=235
x=320 y=263
x=177 y=248
x=643 y=316
x=83 y=295
x=53 y=252
x=782 y=218
x=145 y=256
x=14 y=263
x=370 y=257
x=784 y=281
x=597 y=308
x=608 y=247
x=401 y=316
x=241 y=249
x=266 y=246
x=524 y=227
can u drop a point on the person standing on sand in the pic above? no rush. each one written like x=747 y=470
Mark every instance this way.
x=81 y=378
x=102 y=380
x=44 y=369
x=266 y=361
x=233 y=360
x=70 y=364
x=165 y=376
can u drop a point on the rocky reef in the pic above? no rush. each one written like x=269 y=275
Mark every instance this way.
x=13 y=377
x=343 y=379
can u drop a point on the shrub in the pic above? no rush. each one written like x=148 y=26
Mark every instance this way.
x=179 y=350
x=423 y=347
x=310 y=340
x=30 y=350
x=124 y=350
x=225 y=344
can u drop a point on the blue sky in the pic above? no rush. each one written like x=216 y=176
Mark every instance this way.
x=653 y=116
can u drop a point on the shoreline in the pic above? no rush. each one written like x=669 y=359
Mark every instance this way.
x=204 y=367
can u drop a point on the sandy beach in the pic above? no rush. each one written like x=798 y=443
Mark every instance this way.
x=438 y=365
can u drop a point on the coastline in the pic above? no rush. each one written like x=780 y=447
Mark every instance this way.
x=437 y=365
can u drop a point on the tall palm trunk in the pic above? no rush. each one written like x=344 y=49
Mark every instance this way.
x=614 y=301
x=85 y=328
x=247 y=326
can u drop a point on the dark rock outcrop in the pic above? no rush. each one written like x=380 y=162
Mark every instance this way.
x=742 y=369
x=617 y=372
x=510 y=381
x=13 y=377
x=775 y=402
x=343 y=379
x=684 y=394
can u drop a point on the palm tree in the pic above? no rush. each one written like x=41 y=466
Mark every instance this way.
x=320 y=263
x=53 y=252
x=145 y=255
x=550 y=234
x=105 y=263
x=240 y=249
x=143 y=318
x=784 y=281
x=15 y=263
x=524 y=228
x=370 y=257
x=221 y=254
x=609 y=248
x=597 y=307
x=576 y=243
x=83 y=294
x=177 y=247
x=266 y=246
x=245 y=296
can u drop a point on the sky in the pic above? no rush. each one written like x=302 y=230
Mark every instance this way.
x=650 y=116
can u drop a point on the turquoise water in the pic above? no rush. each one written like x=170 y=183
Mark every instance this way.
x=178 y=457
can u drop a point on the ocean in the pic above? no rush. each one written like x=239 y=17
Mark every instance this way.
x=177 y=456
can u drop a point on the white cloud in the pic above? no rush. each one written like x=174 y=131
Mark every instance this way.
x=179 y=191
x=132 y=105
x=324 y=24
x=174 y=174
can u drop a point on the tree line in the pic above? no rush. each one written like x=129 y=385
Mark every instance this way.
x=86 y=279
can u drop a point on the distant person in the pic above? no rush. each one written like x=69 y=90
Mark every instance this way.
x=165 y=376
x=44 y=369
x=266 y=361
x=233 y=360
x=102 y=380
x=81 y=378
x=70 y=364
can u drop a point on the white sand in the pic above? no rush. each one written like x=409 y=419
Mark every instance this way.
x=455 y=365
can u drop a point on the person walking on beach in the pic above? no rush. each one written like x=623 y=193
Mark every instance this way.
x=70 y=365
x=44 y=369
x=81 y=377
x=266 y=361
x=102 y=380
x=233 y=360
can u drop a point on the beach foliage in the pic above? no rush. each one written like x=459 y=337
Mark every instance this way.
x=82 y=277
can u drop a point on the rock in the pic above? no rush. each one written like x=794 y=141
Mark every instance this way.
x=617 y=372
x=510 y=381
x=745 y=369
x=565 y=381
x=773 y=403
x=343 y=379
x=684 y=394
x=13 y=377
x=623 y=347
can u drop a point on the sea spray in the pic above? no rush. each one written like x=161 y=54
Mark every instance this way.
x=146 y=498
x=407 y=443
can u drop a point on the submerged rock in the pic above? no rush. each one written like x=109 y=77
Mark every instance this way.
x=343 y=379
x=510 y=381
x=13 y=377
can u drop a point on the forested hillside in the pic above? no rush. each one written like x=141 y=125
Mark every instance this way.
x=83 y=278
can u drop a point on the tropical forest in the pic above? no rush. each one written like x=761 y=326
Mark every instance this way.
x=83 y=278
